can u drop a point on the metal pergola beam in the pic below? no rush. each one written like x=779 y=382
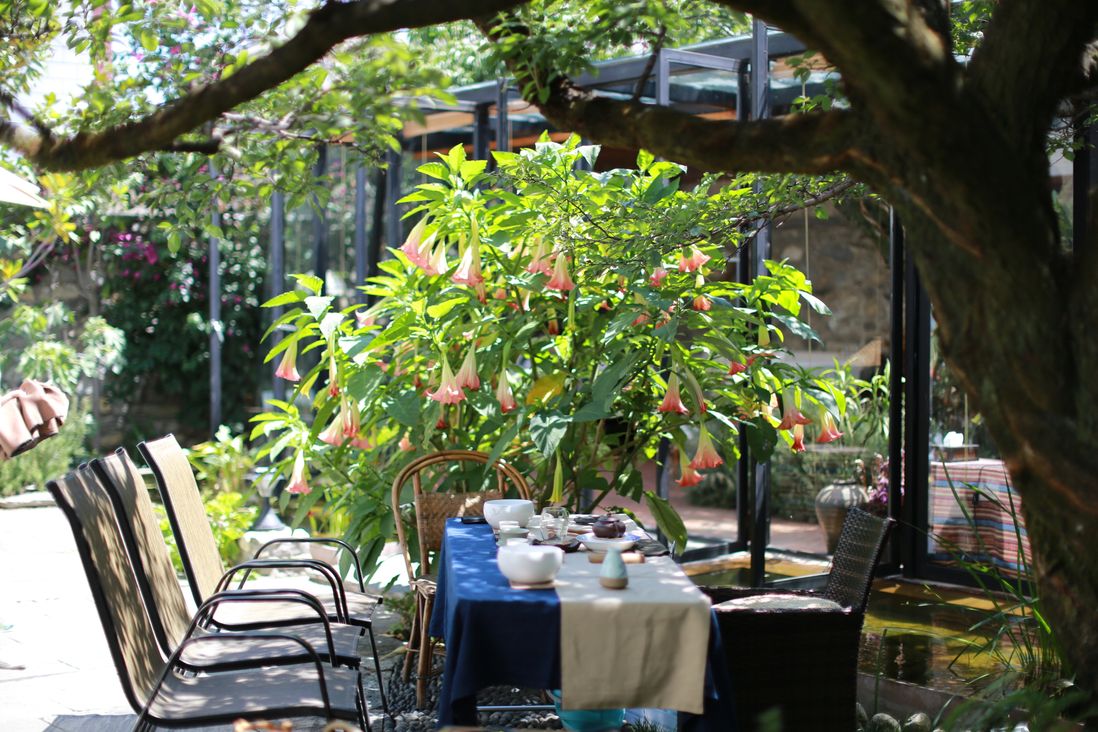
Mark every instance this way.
x=277 y=282
x=216 y=329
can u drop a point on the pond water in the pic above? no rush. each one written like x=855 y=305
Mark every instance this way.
x=916 y=635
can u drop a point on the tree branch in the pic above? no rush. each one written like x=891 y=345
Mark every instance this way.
x=331 y=24
x=814 y=143
x=1032 y=56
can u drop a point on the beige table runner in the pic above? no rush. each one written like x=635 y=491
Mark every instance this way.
x=644 y=646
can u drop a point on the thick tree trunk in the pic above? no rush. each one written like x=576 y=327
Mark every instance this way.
x=1008 y=328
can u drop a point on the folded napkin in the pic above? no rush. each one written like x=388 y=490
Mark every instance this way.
x=30 y=414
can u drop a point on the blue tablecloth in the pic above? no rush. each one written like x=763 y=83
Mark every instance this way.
x=498 y=635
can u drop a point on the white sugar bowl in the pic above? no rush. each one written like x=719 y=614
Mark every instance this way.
x=529 y=565
x=508 y=509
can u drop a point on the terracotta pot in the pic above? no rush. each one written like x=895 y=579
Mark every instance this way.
x=832 y=504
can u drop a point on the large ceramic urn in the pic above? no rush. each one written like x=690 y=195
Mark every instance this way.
x=832 y=504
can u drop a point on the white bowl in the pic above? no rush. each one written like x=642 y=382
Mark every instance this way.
x=529 y=565
x=595 y=544
x=508 y=509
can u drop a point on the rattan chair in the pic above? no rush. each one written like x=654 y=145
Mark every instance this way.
x=206 y=573
x=160 y=590
x=431 y=509
x=173 y=692
x=796 y=652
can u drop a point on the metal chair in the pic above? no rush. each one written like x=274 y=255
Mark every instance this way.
x=160 y=590
x=206 y=573
x=174 y=692
x=431 y=509
x=797 y=651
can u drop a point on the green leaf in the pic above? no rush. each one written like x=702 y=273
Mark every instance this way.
x=434 y=170
x=761 y=438
x=547 y=430
x=284 y=299
x=645 y=160
x=440 y=310
x=148 y=39
x=472 y=168
x=668 y=520
x=797 y=327
x=405 y=408
x=310 y=282
x=816 y=303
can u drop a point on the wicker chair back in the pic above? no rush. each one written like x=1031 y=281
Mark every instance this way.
x=856 y=555
x=432 y=508
x=186 y=514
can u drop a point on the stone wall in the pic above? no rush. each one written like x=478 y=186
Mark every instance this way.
x=850 y=274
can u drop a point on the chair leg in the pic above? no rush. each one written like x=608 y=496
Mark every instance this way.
x=377 y=670
x=424 y=654
x=365 y=707
x=413 y=639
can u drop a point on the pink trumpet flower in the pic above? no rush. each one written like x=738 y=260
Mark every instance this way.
x=561 y=280
x=692 y=259
x=702 y=304
x=436 y=264
x=687 y=475
x=659 y=274
x=792 y=417
x=504 y=396
x=539 y=262
x=333 y=433
x=405 y=444
x=448 y=391
x=364 y=318
x=672 y=400
x=706 y=456
x=287 y=367
x=468 y=272
x=467 y=375
x=798 y=438
x=736 y=367
x=362 y=442
x=411 y=245
x=299 y=476
x=828 y=432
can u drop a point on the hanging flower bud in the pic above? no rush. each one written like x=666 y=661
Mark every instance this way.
x=364 y=318
x=503 y=394
x=692 y=259
x=436 y=264
x=467 y=375
x=736 y=367
x=687 y=475
x=405 y=444
x=706 y=455
x=672 y=399
x=411 y=246
x=659 y=274
x=287 y=367
x=448 y=391
x=333 y=433
x=702 y=304
x=468 y=272
x=561 y=280
x=798 y=438
x=539 y=262
x=828 y=432
x=299 y=475
x=792 y=416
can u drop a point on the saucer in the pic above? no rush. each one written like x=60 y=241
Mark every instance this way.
x=536 y=586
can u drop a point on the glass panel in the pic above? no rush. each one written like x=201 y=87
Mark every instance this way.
x=844 y=254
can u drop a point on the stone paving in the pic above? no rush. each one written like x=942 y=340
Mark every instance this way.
x=56 y=671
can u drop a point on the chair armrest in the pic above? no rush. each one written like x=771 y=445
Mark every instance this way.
x=173 y=661
x=205 y=613
x=321 y=540
x=327 y=572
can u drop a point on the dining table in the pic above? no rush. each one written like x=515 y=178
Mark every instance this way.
x=655 y=644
